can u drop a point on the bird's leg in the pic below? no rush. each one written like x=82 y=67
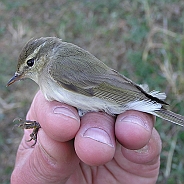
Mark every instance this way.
x=29 y=124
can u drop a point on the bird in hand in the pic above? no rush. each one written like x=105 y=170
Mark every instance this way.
x=70 y=74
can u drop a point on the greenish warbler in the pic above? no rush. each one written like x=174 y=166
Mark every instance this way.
x=69 y=74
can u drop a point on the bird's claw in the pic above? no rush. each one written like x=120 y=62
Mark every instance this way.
x=29 y=124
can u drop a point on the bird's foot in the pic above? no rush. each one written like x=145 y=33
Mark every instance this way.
x=29 y=124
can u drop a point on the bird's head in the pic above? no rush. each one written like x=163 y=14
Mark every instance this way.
x=33 y=58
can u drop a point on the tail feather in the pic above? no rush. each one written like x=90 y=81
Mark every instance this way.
x=170 y=116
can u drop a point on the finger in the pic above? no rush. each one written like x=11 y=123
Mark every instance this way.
x=51 y=160
x=149 y=153
x=133 y=129
x=59 y=121
x=95 y=140
x=143 y=163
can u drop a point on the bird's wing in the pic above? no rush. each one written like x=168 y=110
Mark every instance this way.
x=81 y=72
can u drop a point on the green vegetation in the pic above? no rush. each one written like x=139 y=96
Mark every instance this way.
x=142 y=39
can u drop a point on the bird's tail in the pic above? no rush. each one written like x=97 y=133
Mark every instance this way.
x=170 y=116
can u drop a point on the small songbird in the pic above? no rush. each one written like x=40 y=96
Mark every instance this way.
x=70 y=74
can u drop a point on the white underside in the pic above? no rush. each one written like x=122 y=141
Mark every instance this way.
x=52 y=91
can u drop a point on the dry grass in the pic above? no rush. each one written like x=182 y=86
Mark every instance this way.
x=142 y=39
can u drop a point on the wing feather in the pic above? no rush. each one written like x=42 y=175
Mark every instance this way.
x=79 y=71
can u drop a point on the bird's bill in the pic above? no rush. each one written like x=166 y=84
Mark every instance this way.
x=15 y=78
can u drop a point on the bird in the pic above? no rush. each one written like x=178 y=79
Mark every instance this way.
x=69 y=74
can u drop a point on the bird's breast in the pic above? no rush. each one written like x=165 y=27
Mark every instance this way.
x=53 y=91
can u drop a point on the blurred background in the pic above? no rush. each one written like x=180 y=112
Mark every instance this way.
x=143 y=39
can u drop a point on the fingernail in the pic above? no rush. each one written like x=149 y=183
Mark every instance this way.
x=145 y=149
x=136 y=120
x=66 y=112
x=99 y=135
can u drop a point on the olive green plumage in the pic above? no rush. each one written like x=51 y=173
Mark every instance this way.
x=69 y=74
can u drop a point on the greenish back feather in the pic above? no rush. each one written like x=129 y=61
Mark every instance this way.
x=79 y=71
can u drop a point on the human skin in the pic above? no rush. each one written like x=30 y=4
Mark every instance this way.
x=96 y=148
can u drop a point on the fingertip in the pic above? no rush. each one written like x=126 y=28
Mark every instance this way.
x=95 y=141
x=62 y=122
x=59 y=121
x=133 y=129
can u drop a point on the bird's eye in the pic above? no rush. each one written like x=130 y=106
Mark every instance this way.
x=30 y=62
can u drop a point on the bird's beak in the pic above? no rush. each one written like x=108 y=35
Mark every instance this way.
x=15 y=78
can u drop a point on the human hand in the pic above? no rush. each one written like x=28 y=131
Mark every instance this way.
x=94 y=149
